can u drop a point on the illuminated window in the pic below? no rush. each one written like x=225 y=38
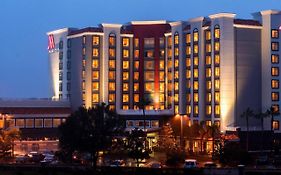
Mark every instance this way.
x=125 y=64
x=125 y=98
x=217 y=71
x=161 y=98
x=95 y=52
x=83 y=63
x=149 y=76
x=29 y=123
x=162 y=53
x=217 y=123
x=149 y=87
x=188 y=73
x=208 y=85
x=161 y=64
x=95 y=98
x=125 y=86
x=195 y=35
x=125 y=107
x=84 y=39
x=195 y=85
x=188 y=62
x=217 y=97
x=176 y=98
x=169 y=41
x=275 y=71
x=177 y=38
x=176 y=109
x=96 y=40
x=208 y=48
x=95 y=75
x=275 y=96
x=208 y=35
x=95 y=86
x=111 y=75
x=170 y=76
x=196 y=110
x=275 y=125
x=111 y=107
x=170 y=63
x=83 y=74
x=208 y=60
x=56 y=122
x=84 y=51
x=176 y=63
x=217 y=59
x=208 y=97
x=136 y=53
x=195 y=61
x=111 y=86
x=125 y=42
x=274 y=84
x=136 y=65
x=136 y=42
x=83 y=85
x=111 y=98
x=125 y=75
x=148 y=53
x=217 y=84
x=274 y=33
x=48 y=123
x=195 y=97
x=136 y=87
x=112 y=40
x=136 y=76
x=111 y=52
x=188 y=50
x=187 y=38
x=136 y=98
x=195 y=48
x=95 y=64
x=169 y=53
x=176 y=75
x=176 y=51
x=111 y=64
x=217 y=46
x=208 y=72
x=149 y=65
x=217 y=32
x=161 y=76
x=274 y=59
x=188 y=98
x=275 y=107
x=208 y=110
x=208 y=123
x=217 y=110
x=125 y=53
x=176 y=86
x=195 y=73
x=274 y=46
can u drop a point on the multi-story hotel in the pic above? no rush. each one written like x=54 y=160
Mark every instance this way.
x=207 y=68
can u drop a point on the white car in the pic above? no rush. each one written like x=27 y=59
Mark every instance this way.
x=190 y=163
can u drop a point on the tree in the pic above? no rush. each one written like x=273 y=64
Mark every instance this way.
x=247 y=114
x=167 y=139
x=7 y=138
x=136 y=145
x=89 y=131
x=214 y=133
x=261 y=116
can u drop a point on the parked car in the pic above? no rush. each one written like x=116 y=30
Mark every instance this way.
x=48 y=159
x=154 y=164
x=22 y=159
x=190 y=163
x=210 y=165
x=117 y=163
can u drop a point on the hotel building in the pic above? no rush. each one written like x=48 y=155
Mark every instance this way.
x=207 y=68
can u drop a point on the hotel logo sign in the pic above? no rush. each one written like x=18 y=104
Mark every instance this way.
x=51 y=42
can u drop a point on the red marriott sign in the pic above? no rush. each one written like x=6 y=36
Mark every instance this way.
x=51 y=42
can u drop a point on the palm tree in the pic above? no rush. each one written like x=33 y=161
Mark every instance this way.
x=214 y=131
x=247 y=114
x=261 y=116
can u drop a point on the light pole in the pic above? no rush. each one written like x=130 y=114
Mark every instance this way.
x=181 y=129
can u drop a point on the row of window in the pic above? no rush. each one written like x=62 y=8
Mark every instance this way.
x=36 y=122
x=140 y=123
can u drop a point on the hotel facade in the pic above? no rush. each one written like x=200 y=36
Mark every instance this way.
x=208 y=69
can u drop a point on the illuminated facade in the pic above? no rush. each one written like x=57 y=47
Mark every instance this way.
x=208 y=68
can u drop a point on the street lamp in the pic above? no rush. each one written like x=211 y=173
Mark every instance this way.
x=181 y=129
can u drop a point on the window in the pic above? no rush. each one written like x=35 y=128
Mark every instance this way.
x=162 y=42
x=125 y=98
x=195 y=73
x=187 y=38
x=60 y=87
x=217 y=46
x=275 y=107
x=176 y=38
x=188 y=62
x=176 y=98
x=125 y=64
x=195 y=85
x=208 y=48
x=111 y=75
x=60 y=76
x=275 y=71
x=112 y=40
x=275 y=84
x=275 y=96
x=169 y=41
x=84 y=39
x=111 y=98
x=195 y=61
x=169 y=53
x=95 y=75
x=95 y=86
x=130 y=123
x=217 y=71
x=161 y=64
x=136 y=98
x=95 y=52
x=29 y=123
x=188 y=73
x=95 y=98
x=125 y=53
x=275 y=125
x=95 y=64
x=149 y=65
x=176 y=63
x=136 y=53
x=176 y=75
x=136 y=65
x=217 y=123
x=125 y=87
x=111 y=86
x=176 y=109
x=195 y=97
x=217 y=84
x=38 y=123
x=96 y=40
x=208 y=60
x=148 y=53
x=217 y=97
x=196 y=110
x=154 y=123
x=56 y=122
x=162 y=53
x=111 y=64
x=217 y=109
x=111 y=52
x=136 y=87
x=125 y=42
x=188 y=50
x=217 y=32
x=195 y=35
x=161 y=76
x=125 y=75
x=208 y=35
x=195 y=49
x=48 y=123
x=274 y=59
x=188 y=98
x=208 y=97
x=149 y=87
x=274 y=46
x=60 y=66
x=274 y=33
x=136 y=42
x=136 y=76
x=161 y=98
x=208 y=72
x=208 y=85
x=176 y=51
x=176 y=86
x=148 y=42
x=217 y=59
x=125 y=107
x=208 y=123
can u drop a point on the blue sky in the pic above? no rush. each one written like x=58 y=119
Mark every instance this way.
x=24 y=23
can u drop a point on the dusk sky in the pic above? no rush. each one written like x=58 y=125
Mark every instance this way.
x=24 y=23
